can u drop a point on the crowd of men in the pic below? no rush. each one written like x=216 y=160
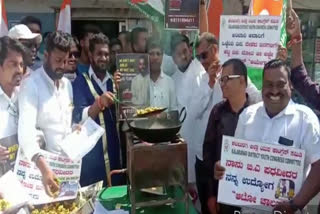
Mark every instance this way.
x=42 y=101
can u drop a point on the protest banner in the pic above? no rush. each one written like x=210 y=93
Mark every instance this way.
x=11 y=143
x=134 y=88
x=182 y=14
x=259 y=175
x=66 y=170
x=253 y=39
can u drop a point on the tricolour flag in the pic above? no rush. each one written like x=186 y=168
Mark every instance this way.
x=3 y=20
x=215 y=10
x=65 y=17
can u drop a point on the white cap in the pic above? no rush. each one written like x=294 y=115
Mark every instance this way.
x=23 y=32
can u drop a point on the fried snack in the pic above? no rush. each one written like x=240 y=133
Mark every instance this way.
x=147 y=110
x=4 y=205
x=57 y=208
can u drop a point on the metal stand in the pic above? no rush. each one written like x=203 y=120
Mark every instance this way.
x=154 y=165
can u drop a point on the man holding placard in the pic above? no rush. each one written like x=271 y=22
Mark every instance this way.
x=279 y=121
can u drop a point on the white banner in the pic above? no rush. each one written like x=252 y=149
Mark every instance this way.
x=259 y=175
x=253 y=39
x=66 y=170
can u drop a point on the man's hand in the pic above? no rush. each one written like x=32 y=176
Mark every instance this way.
x=283 y=207
x=117 y=79
x=213 y=72
x=4 y=154
x=218 y=171
x=282 y=53
x=293 y=24
x=50 y=183
x=107 y=99
x=213 y=206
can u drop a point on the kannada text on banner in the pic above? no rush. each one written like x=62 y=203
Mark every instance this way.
x=259 y=175
x=253 y=39
x=67 y=171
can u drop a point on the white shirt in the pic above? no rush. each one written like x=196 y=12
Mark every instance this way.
x=102 y=85
x=194 y=93
x=140 y=90
x=163 y=93
x=296 y=122
x=43 y=106
x=8 y=114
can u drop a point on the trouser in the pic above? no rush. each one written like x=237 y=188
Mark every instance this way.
x=201 y=181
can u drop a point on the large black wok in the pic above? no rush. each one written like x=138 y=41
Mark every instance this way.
x=157 y=130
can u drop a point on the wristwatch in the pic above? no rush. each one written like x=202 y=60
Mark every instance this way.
x=294 y=207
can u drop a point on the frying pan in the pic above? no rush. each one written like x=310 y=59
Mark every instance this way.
x=157 y=130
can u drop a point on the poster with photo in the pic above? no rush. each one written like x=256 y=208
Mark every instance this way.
x=182 y=14
x=134 y=88
x=11 y=143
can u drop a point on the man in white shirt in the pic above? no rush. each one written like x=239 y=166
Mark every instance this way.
x=12 y=54
x=30 y=40
x=196 y=92
x=45 y=103
x=278 y=120
x=140 y=84
x=162 y=89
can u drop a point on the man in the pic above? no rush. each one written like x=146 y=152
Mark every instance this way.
x=162 y=89
x=140 y=84
x=123 y=37
x=116 y=48
x=279 y=117
x=196 y=92
x=45 y=103
x=223 y=121
x=12 y=55
x=30 y=40
x=86 y=33
x=34 y=24
x=301 y=81
x=139 y=37
x=71 y=67
x=93 y=97
x=208 y=54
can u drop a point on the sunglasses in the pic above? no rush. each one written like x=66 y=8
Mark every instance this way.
x=225 y=79
x=75 y=54
x=204 y=55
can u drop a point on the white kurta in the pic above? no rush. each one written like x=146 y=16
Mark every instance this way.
x=194 y=93
x=43 y=106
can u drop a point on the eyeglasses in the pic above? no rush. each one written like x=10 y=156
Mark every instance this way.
x=29 y=45
x=75 y=54
x=204 y=55
x=156 y=53
x=225 y=79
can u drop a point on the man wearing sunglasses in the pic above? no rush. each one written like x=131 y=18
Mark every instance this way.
x=207 y=50
x=72 y=62
x=30 y=40
x=223 y=121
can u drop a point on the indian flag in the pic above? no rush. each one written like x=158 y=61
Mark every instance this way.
x=65 y=17
x=3 y=20
x=214 y=11
x=269 y=8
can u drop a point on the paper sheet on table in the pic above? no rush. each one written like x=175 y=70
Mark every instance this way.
x=79 y=143
x=99 y=209
x=10 y=186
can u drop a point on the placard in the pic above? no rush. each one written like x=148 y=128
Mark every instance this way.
x=11 y=143
x=134 y=88
x=253 y=39
x=66 y=170
x=182 y=14
x=259 y=175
